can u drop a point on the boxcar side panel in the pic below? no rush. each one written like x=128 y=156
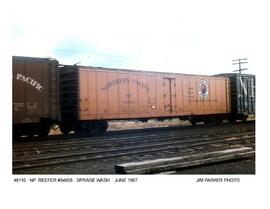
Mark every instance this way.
x=35 y=94
x=219 y=96
x=151 y=90
x=186 y=95
x=179 y=94
x=212 y=95
x=223 y=96
x=102 y=99
x=192 y=96
x=119 y=94
x=159 y=106
x=112 y=95
x=85 y=105
x=142 y=94
x=132 y=95
x=207 y=101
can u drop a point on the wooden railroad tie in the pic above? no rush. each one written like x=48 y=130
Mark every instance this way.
x=166 y=164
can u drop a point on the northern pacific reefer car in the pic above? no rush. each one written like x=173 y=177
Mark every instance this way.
x=91 y=96
x=84 y=99
x=35 y=95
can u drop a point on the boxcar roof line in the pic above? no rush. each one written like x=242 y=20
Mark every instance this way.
x=138 y=71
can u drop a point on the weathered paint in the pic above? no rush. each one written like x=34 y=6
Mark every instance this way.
x=35 y=89
x=119 y=94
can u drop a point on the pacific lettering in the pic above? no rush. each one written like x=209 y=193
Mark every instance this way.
x=30 y=81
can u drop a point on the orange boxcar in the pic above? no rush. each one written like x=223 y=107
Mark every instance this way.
x=124 y=94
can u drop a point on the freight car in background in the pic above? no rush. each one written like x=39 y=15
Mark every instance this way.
x=91 y=96
x=35 y=95
x=243 y=94
x=84 y=99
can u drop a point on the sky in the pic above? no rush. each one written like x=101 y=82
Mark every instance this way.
x=192 y=36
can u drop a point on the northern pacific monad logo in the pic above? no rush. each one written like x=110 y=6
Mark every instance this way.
x=203 y=89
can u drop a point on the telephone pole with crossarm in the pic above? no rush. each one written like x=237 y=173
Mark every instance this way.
x=239 y=62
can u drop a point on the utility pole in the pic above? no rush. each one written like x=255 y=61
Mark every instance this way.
x=239 y=62
x=242 y=88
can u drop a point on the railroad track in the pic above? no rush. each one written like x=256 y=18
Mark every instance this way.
x=31 y=156
x=128 y=137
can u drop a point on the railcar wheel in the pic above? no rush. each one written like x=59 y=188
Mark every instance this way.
x=98 y=127
x=104 y=126
x=65 y=128
x=213 y=120
x=209 y=121
x=193 y=122
x=244 y=120
x=232 y=119
x=82 y=127
x=44 y=130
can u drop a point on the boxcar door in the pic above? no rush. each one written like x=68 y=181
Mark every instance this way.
x=169 y=94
